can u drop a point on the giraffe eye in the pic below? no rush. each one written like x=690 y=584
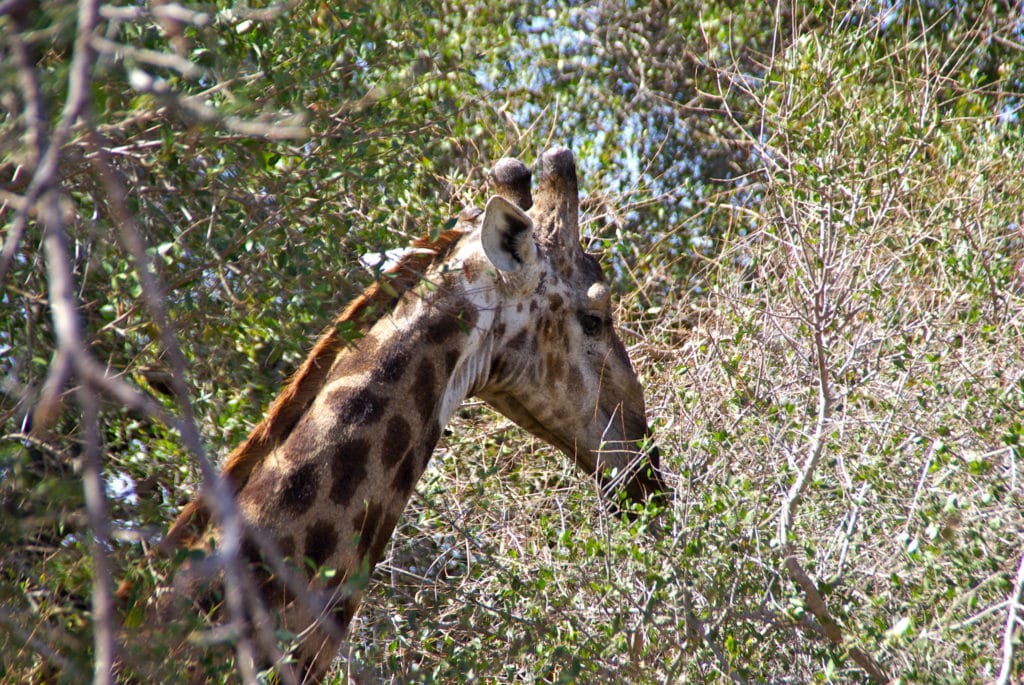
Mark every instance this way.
x=590 y=323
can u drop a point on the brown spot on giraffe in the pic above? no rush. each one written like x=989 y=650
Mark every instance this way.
x=433 y=436
x=451 y=359
x=424 y=389
x=519 y=340
x=393 y=364
x=445 y=324
x=300 y=489
x=321 y=541
x=473 y=269
x=491 y=308
x=366 y=524
x=345 y=610
x=555 y=366
x=405 y=476
x=348 y=470
x=396 y=441
x=363 y=407
x=383 y=536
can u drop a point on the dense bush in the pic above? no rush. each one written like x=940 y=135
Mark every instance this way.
x=814 y=222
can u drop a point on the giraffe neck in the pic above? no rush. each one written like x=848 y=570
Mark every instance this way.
x=334 y=487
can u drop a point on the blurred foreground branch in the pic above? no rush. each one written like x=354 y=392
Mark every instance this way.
x=72 y=360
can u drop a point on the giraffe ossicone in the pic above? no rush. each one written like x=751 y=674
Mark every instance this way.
x=506 y=307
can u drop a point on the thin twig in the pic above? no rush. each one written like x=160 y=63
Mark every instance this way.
x=68 y=668
x=154 y=58
x=99 y=523
x=35 y=134
x=697 y=629
x=1013 y=621
x=71 y=346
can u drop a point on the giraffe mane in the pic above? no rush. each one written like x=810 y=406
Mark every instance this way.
x=304 y=385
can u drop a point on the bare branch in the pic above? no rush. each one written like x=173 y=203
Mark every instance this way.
x=35 y=134
x=1014 y=622
x=169 y=11
x=816 y=605
x=264 y=14
x=70 y=348
x=697 y=630
x=219 y=495
x=96 y=509
x=155 y=58
x=186 y=15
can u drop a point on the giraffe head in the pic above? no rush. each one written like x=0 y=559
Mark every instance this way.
x=555 y=364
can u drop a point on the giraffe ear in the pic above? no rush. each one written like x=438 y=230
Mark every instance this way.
x=507 y=235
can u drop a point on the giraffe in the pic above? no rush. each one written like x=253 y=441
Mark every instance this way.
x=507 y=307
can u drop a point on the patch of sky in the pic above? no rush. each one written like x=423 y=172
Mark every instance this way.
x=877 y=14
x=1010 y=113
x=645 y=129
x=121 y=487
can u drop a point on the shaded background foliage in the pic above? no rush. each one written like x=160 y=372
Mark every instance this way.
x=266 y=150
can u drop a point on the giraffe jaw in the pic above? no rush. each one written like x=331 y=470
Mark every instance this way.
x=635 y=470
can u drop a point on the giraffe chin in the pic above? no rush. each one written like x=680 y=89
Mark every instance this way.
x=618 y=463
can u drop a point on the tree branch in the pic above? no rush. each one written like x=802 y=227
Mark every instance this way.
x=71 y=347
x=96 y=510
x=218 y=493
x=1013 y=621
x=820 y=259
x=816 y=605
x=696 y=628
x=35 y=132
